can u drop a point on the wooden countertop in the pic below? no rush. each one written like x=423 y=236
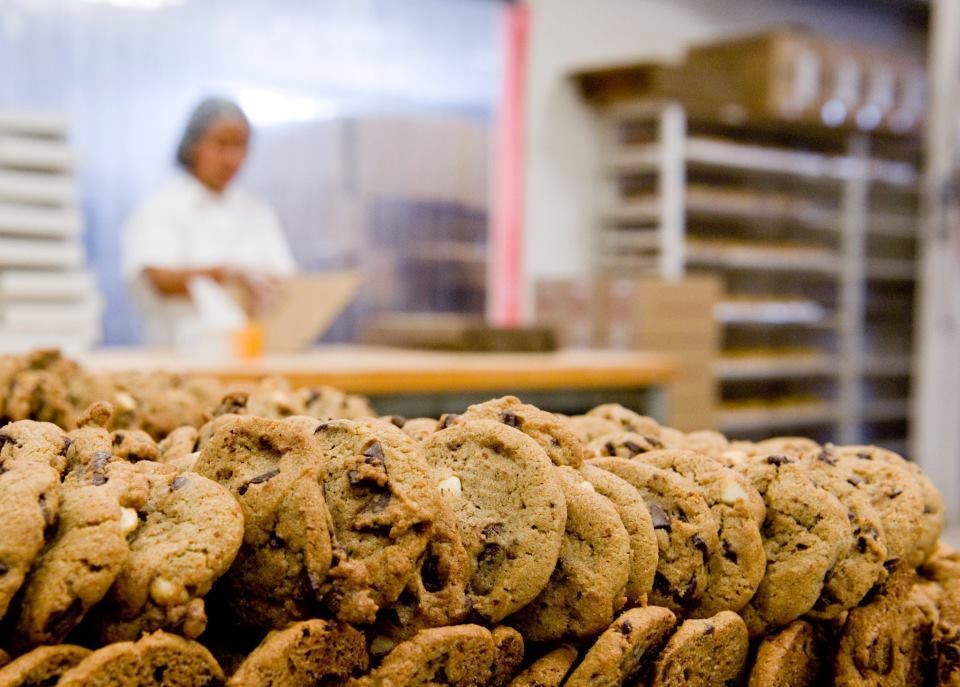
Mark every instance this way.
x=387 y=371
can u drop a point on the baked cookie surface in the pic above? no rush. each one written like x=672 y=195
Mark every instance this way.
x=626 y=650
x=586 y=588
x=686 y=531
x=510 y=511
x=710 y=651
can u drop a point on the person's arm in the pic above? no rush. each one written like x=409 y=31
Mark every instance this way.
x=175 y=282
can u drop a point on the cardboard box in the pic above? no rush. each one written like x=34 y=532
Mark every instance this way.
x=783 y=75
x=647 y=312
x=675 y=317
x=567 y=307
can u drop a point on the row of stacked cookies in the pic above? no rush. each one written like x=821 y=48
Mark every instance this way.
x=492 y=517
x=47 y=387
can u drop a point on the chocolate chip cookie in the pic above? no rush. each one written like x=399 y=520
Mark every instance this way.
x=590 y=427
x=274 y=471
x=328 y=403
x=42 y=666
x=510 y=510
x=80 y=562
x=436 y=594
x=628 y=420
x=686 y=531
x=419 y=428
x=560 y=444
x=182 y=539
x=459 y=656
x=549 y=670
x=509 y=655
x=382 y=504
x=860 y=565
x=792 y=657
x=626 y=649
x=931 y=522
x=735 y=571
x=711 y=651
x=38 y=395
x=805 y=532
x=270 y=403
x=305 y=653
x=635 y=516
x=894 y=493
x=156 y=660
x=875 y=644
x=30 y=494
x=134 y=445
x=35 y=442
x=586 y=588
x=707 y=442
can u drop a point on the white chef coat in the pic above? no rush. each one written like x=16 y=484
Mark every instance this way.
x=185 y=225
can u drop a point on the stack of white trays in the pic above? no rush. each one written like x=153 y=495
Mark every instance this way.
x=47 y=296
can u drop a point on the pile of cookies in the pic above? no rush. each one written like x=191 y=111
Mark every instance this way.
x=289 y=537
x=48 y=387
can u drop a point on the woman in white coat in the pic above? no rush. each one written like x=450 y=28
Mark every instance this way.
x=200 y=225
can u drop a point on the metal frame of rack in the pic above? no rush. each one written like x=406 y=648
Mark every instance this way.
x=652 y=234
x=936 y=442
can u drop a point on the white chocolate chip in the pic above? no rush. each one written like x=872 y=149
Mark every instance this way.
x=586 y=486
x=166 y=593
x=125 y=400
x=380 y=646
x=732 y=492
x=129 y=520
x=450 y=487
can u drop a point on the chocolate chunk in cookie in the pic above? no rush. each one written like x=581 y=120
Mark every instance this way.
x=623 y=445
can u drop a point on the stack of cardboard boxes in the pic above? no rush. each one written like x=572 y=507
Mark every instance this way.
x=645 y=313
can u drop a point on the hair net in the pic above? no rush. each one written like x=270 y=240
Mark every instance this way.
x=203 y=116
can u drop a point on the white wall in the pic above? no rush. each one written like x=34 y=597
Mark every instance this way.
x=569 y=34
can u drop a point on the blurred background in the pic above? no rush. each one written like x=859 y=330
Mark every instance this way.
x=764 y=188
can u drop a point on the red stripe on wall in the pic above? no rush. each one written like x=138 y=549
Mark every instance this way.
x=504 y=271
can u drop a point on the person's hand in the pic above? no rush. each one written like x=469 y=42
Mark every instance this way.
x=259 y=290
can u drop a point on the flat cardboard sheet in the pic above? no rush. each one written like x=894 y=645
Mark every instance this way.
x=305 y=309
